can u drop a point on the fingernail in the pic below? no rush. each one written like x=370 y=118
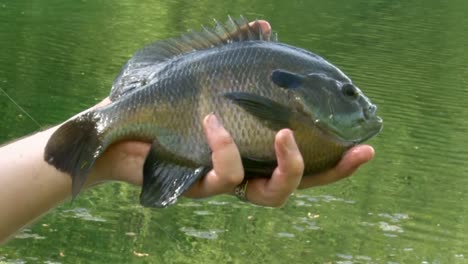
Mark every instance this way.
x=363 y=152
x=213 y=121
x=290 y=143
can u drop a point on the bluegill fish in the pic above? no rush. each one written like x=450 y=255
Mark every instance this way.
x=254 y=84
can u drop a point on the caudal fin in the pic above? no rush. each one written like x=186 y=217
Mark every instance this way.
x=74 y=148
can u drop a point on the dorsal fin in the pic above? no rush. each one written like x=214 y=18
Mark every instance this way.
x=138 y=70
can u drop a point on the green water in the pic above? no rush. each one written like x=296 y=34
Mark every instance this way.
x=409 y=205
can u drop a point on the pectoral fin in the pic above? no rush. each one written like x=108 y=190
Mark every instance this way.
x=164 y=182
x=275 y=115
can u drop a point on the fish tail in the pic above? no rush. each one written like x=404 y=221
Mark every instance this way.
x=74 y=147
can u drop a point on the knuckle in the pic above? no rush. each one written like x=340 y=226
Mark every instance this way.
x=233 y=179
x=275 y=200
x=296 y=165
x=224 y=140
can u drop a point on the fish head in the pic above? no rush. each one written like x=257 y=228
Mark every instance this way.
x=333 y=103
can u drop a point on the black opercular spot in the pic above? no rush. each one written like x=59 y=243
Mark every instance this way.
x=286 y=79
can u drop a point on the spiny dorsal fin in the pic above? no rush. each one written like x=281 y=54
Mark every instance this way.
x=137 y=72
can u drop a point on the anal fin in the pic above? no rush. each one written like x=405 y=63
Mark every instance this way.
x=165 y=181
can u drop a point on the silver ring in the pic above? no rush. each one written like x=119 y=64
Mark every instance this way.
x=241 y=190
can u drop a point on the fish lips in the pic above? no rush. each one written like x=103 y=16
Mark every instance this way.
x=374 y=125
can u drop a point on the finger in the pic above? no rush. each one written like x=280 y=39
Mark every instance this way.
x=350 y=162
x=104 y=102
x=228 y=171
x=290 y=168
x=263 y=25
x=286 y=177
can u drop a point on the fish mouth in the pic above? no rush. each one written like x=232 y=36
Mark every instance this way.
x=370 y=126
x=374 y=124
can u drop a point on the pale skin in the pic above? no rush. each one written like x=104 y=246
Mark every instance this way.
x=29 y=187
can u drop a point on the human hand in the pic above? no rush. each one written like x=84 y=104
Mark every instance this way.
x=228 y=172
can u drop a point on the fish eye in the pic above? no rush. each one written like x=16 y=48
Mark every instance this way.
x=350 y=90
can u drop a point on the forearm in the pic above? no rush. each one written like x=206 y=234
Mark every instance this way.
x=29 y=186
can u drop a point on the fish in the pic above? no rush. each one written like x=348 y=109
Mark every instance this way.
x=253 y=83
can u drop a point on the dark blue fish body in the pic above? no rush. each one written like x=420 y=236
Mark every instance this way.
x=255 y=85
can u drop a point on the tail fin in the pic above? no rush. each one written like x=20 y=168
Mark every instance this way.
x=74 y=148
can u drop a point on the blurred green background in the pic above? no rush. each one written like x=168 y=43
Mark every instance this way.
x=409 y=205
